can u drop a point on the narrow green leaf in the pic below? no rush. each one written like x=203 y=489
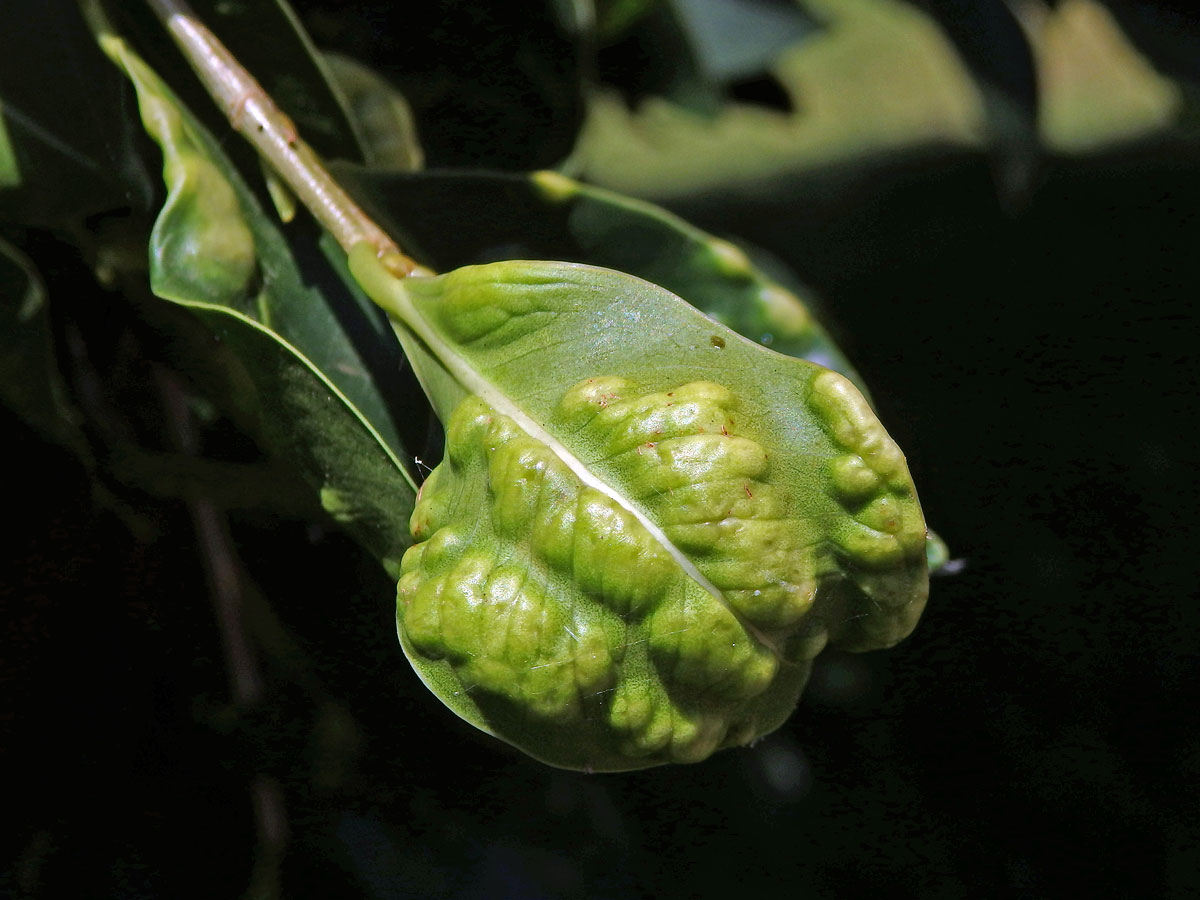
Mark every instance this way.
x=615 y=17
x=646 y=526
x=317 y=365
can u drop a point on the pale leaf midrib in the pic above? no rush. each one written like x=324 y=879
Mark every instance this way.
x=476 y=384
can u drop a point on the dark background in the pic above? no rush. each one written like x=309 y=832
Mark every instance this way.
x=1035 y=737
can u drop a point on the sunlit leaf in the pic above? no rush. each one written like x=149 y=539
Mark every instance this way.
x=1097 y=87
x=646 y=526
x=455 y=219
x=880 y=76
x=883 y=78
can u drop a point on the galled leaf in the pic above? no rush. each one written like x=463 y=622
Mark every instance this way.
x=646 y=525
x=454 y=219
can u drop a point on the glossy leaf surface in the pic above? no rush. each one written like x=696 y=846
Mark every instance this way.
x=646 y=526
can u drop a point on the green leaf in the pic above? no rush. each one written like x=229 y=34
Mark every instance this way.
x=453 y=219
x=694 y=52
x=736 y=39
x=646 y=526
x=615 y=17
x=315 y=366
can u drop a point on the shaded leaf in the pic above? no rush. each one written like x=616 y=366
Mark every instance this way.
x=646 y=525
x=1167 y=32
x=10 y=172
x=697 y=53
x=317 y=365
x=654 y=58
x=615 y=17
x=267 y=38
x=995 y=47
x=738 y=39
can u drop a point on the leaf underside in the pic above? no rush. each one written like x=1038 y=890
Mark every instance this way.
x=645 y=526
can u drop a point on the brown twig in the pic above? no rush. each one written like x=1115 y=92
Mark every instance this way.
x=253 y=113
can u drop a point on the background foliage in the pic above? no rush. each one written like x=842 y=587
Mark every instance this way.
x=997 y=213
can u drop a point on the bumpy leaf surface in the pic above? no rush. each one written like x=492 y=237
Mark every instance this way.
x=454 y=219
x=645 y=526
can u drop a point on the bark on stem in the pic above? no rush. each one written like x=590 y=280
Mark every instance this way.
x=253 y=113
